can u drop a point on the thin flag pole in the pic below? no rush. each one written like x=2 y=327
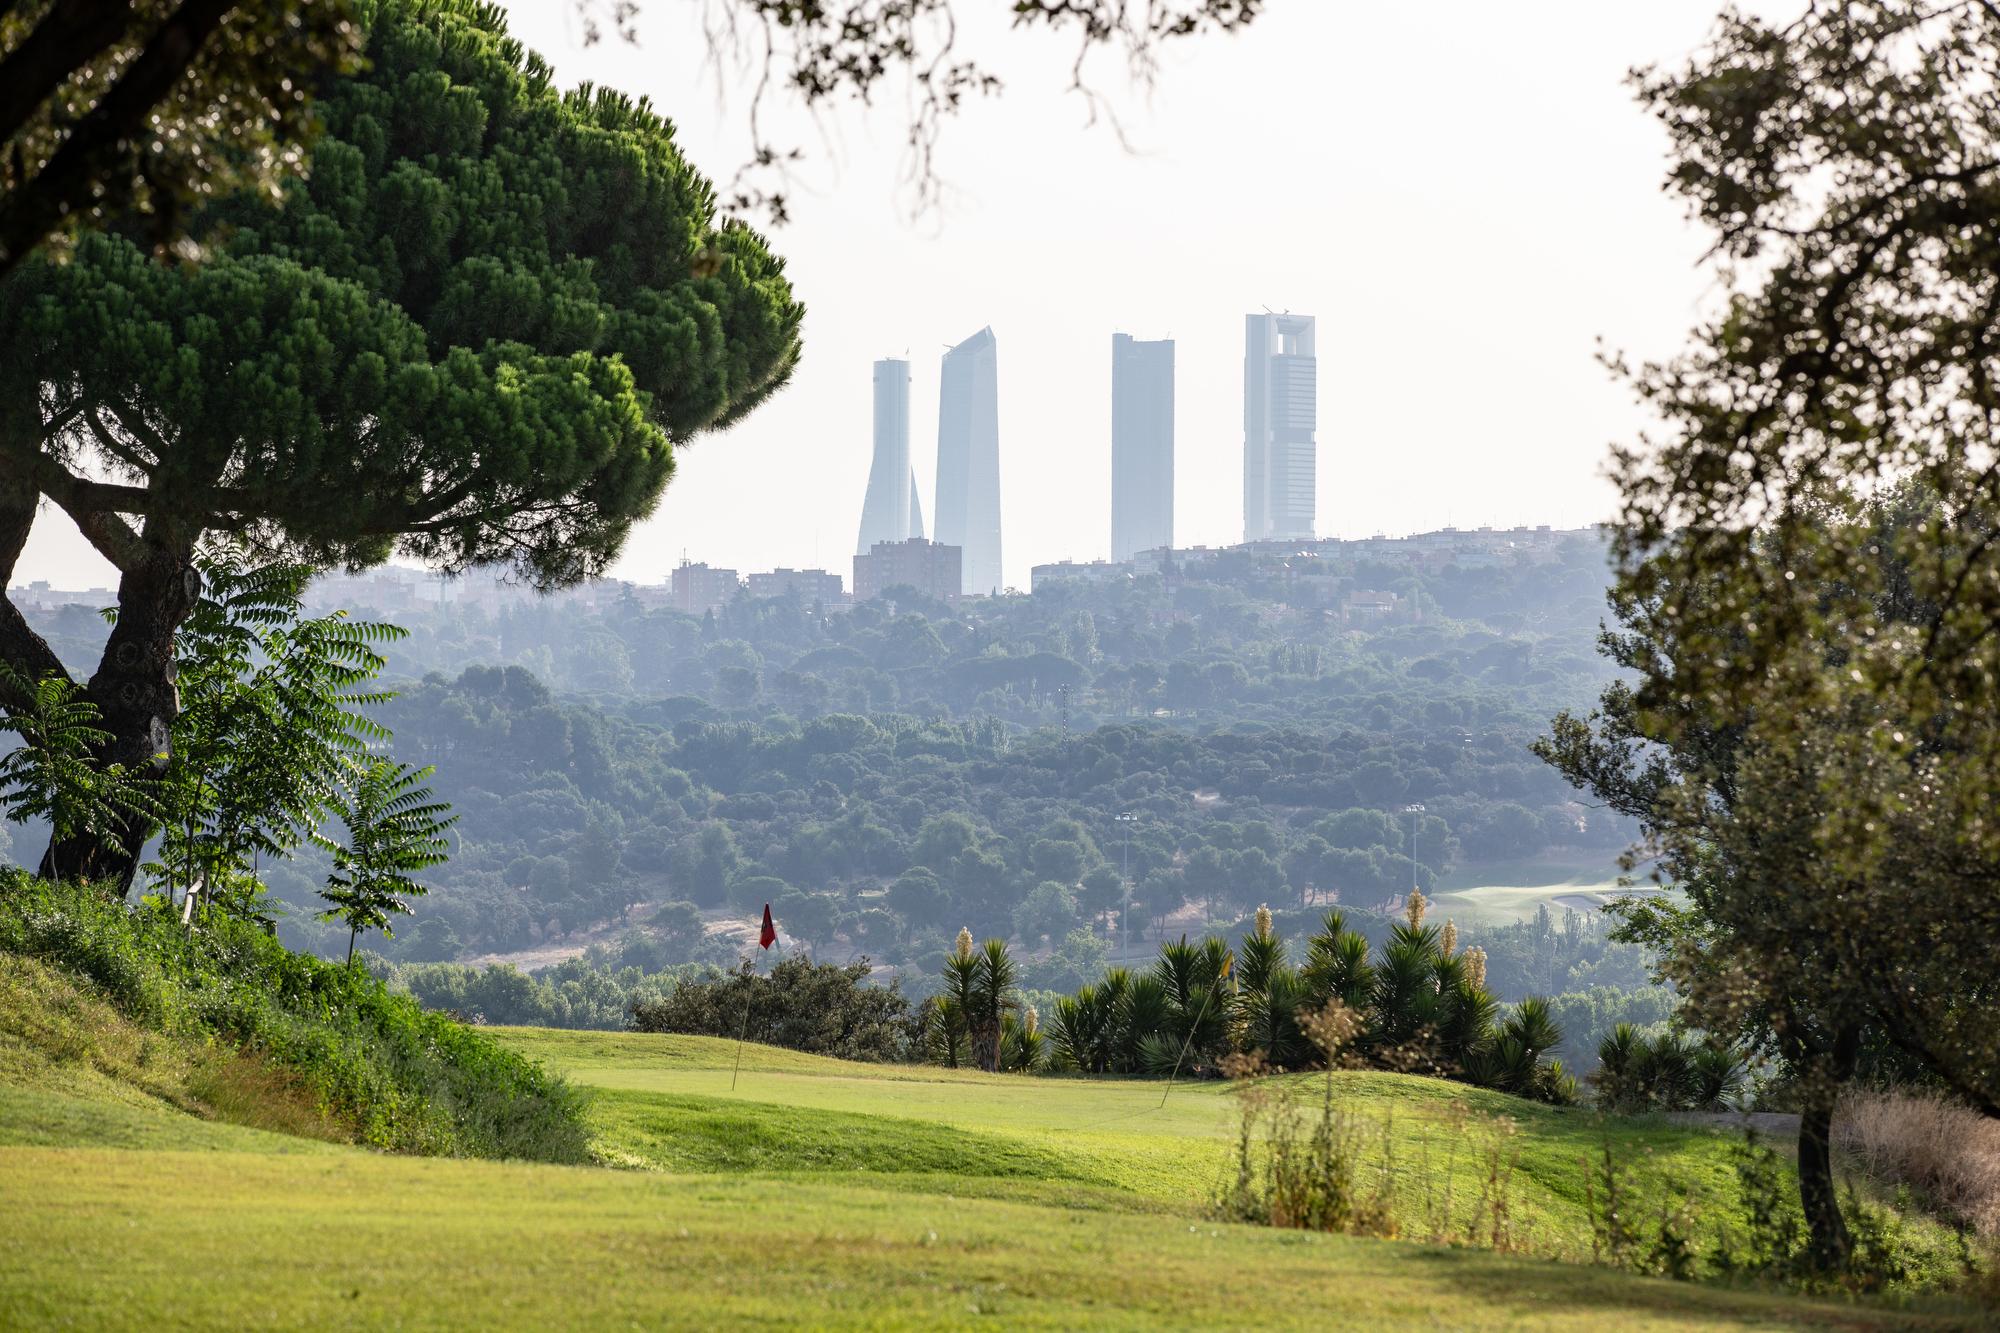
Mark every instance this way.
x=1195 y=1027
x=766 y=936
x=744 y=1031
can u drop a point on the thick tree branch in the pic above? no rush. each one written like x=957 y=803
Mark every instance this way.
x=36 y=207
x=111 y=444
x=20 y=647
x=69 y=37
x=94 y=506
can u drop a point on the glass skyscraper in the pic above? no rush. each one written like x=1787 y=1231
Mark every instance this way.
x=1142 y=445
x=968 y=468
x=1280 y=411
x=891 y=511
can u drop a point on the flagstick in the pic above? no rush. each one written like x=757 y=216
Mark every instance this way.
x=1198 y=1016
x=743 y=1031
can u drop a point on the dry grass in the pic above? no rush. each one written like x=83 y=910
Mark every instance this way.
x=1936 y=1145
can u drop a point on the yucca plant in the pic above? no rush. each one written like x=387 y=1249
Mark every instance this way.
x=941 y=1032
x=989 y=997
x=1197 y=993
x=1023 y=1047
x=1145 y=1010
x=1073 y=1032
x=1533 y=1024
x=1270 y=1020
x=1663 y=1070
x=1719 y=1076
x=1337 y=967
x=1465 y=1023
x=1260 y=954
x=961 y=979
x=1616 y=1078
x=1405 y=999
x=1109 y=1023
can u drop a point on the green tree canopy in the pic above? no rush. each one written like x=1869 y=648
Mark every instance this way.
x=474 y=333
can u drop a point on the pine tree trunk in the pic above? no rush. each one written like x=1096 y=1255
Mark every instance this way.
x=135 y=693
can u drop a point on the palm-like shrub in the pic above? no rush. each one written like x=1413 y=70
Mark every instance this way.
x=1270 y=1020
x=1196 y=994
x=1073 y=1039
x=1337 y=965
x=1405 y=998
x=1023 y=1046
x=1719 y=1075
x=1664 y=1073
x=980 y=984
x=941 y=1032
x=1146 y=1010
x=1416 y=1006
x=992 y=997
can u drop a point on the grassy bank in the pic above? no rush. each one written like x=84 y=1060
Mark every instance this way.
x=367 y=1064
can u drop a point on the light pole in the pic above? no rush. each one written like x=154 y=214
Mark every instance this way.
x=1128 y=819
x=1413 y=811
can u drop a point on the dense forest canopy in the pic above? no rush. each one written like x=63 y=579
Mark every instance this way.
x=886 y=773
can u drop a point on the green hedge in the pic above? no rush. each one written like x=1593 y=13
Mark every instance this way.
x=407 y=1080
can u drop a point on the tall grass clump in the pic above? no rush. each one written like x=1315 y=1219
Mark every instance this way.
x=405 y=1080
x=1938 y=1146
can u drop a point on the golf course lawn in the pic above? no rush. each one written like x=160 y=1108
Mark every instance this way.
x=815 y=1193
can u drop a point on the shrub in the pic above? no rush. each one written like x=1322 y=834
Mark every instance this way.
x=1667 y=1072
x=1307 y=1168
x=407 y=1080
x=821 y=1008
x=1924 y=1139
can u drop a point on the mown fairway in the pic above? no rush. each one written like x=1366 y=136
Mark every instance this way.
x=818 y=1193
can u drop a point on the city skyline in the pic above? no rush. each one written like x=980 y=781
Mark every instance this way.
x=1563 y=266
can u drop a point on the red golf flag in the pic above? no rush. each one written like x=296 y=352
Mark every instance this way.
x=769 y=935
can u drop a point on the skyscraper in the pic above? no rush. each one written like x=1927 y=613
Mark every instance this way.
x=1142 y=445
x=968 y=470
x=1280 y=409
x=891 y=512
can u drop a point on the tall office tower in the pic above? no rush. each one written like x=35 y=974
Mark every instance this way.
x=1142 y=445
x=1280 y=378
x=891 y=512
x=968 y=470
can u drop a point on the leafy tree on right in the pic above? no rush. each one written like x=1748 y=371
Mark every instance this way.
x=1809 y=561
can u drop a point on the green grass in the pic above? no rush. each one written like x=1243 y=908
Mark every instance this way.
x=230 y=1240
x=816 y=1193
x=665 y=1102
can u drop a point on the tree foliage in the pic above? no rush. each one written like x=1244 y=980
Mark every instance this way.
x=395 y=830
x=49 y=774
x=146 y=108
x=272 y=715
x=479 y=327
x=825 y=54
x=1807 y=558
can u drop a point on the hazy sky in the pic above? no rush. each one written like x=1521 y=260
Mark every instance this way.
x=1464 y=193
